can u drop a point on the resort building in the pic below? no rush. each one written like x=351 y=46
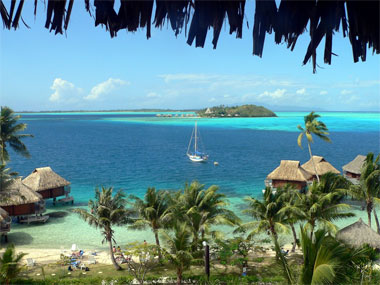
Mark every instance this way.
x=289 y=172
x=20 y=200
x=352 y=170
x=321 y=165
x=5 y=224
x=359 y=234
x=49 y=184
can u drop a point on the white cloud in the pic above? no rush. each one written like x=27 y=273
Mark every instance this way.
x=187 y=77
x=323 y=92
x=345 y=92
x=64 y=91
x=278 y=93
x=105 y=88
x=301 y=91
x=357 y=83
x=152 y=95
x=352 y=99
x=219 y=81
x=213 y=99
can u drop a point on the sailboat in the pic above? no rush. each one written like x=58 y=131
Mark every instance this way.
x=196 y=155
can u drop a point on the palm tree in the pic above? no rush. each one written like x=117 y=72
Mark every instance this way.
x=9 y=134
x=327 y=261
x=312 y=126
x=10 y=264
x=6 y=177
x=106 y=211
x=204 y=208
x=268 y=219
x=179 y=248
x=369 y=186
x=291 y=201
x=318 y=207
x=152 y=211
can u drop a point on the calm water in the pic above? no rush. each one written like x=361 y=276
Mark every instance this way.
x=134 y=151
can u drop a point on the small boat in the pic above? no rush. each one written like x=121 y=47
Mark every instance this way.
x=196 y=155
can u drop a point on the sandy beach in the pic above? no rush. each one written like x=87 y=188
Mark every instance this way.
x=48 y=256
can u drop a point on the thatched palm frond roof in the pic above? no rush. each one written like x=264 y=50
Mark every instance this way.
x=290 y=170
x=18 y=194
x=321 y=165
x=359 y=20
x=356 y=165
x=44 y=178
x=3 y=215
x=358 y=234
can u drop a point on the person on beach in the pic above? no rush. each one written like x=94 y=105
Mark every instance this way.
x=114 y=249
x=244 y=269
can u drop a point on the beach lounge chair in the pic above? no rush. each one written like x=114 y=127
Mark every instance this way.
x=30 y=262
x=75 y=263
x=91 y=259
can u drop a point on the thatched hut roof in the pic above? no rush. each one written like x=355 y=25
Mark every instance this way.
x=356 y=165
x=358 y=234
x=321 y=165
x=18 y=194
x=44 y=178
x=3 y=214
x=320 y=19
x=290 y=170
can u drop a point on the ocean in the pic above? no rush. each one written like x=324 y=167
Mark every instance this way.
x=136 y=150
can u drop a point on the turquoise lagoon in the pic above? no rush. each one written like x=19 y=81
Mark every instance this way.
x=137 y=150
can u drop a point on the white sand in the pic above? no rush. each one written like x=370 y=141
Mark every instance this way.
x=46 y=256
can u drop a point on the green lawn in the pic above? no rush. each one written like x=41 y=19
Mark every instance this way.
x=266 y=271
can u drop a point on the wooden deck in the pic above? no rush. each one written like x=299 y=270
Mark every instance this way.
x=33 y=219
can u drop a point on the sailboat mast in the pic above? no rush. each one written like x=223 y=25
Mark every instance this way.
x=195 y=142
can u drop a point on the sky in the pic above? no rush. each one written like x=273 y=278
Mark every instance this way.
x=85 y=69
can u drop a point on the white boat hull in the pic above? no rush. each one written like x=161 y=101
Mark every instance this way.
x=197 y=158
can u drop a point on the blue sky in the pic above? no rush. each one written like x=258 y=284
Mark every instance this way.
x=87 y=70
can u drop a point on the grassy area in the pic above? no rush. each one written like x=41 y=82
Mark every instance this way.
x=267 y=271
x=262 y=269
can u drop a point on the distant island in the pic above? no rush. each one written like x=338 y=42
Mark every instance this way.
x=236 y=111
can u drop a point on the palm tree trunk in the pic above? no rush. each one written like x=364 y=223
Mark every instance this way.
x=195 y=242
x=312 y=229
x=294 y=237
x=158 y=244
x=2 y=152
x=376 y=220
x=281 y=256
x=179 y=276
x=117 y=266
x=369 y=210
x=312 y=161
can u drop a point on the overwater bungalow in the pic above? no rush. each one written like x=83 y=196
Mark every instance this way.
x=289 y=172
x=49 y=184
x=20 y=200
x=322 y=166
x=352 y=170
x=5 y=224
x=358 y=234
